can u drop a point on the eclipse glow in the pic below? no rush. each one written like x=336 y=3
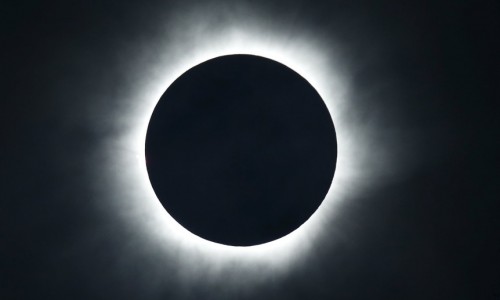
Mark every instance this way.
x=190 y=40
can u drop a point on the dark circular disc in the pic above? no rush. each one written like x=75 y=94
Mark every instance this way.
x=241 y=150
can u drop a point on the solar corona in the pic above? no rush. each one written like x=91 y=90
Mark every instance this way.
x=137 y=201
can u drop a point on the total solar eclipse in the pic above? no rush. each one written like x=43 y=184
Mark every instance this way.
x=241 y=150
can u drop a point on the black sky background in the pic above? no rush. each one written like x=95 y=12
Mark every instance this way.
x=425 y=69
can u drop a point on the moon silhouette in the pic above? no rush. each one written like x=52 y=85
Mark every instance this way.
x=241 y=150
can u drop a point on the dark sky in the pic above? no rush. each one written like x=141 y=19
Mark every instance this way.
x=423 y=78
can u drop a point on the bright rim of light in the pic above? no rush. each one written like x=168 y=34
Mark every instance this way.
x=135 y=198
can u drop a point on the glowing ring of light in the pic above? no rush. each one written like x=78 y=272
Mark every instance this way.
x=305 y=56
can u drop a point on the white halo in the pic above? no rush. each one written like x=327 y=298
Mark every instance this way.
x=134 y=198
